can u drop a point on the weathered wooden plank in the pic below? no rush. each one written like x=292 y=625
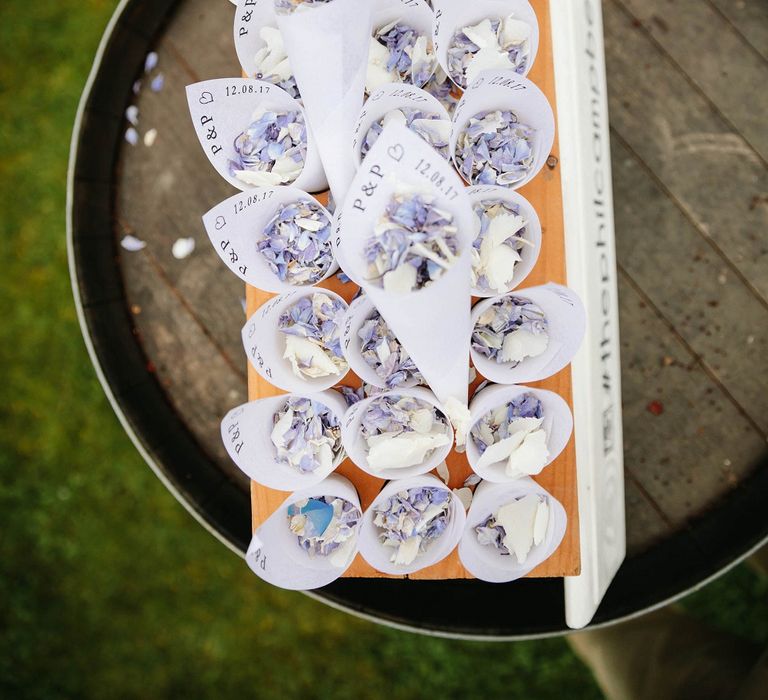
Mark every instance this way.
x=750 y=17
x=685 y=443
x=188 y=311
x=162 y=192
x=710 y=171
x=199 y=383
x=645 y=525
x=712 y=311
x=715 y=58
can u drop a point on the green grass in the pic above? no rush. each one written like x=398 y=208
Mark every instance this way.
x=109 y=588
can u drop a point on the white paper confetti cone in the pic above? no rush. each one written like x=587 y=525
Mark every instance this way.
x=507 y=91
x=236 y=225
x=529 y=254
x=360 y=310
x=486 y=562
x=275 y=556
x=566 y=321
x=414 y=13
x=379 y=556
x=251 y=16
x=453 y=15
x=557 y=424
x=328 y=50
x=265 y=345
x=432 y=323
x=246 y=434
x=222 y=109
x=357 y=448
x=387 y=98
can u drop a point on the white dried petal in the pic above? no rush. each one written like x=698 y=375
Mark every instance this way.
x=183 y=248
x=519 y=344
x=132 y=244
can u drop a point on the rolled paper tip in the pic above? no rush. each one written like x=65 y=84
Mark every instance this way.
x=535 y=355
x=276 y=554
x=510 y=529
x=500 y=238
x=418 y=447
x=224 y=110
x=459 y=415
x=328 y=48
x=519 y=27
x=400 y=164
x=251 y=435
x=516 y=431
x=497 y=102
x=293 y=362
x=434 y=534
x=273 y=238
x=379 y=111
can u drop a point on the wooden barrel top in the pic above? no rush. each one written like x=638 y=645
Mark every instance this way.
x=689 y=155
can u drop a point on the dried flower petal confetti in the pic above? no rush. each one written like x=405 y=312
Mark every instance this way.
x=513 y=433
x=493 y=43
x=440 y=86
x=157 y=83
x=414 y=242
x=430 y=127
x=285 y=7
x=132 y=244
x=150 y=137
x=150 y=62
x=313 y=336
x=271 y=62
x=496 y=248
x=297 y=243
x=399 y=54
x=306 y=435
x=132 y=114
x=383 y=352
x=402 y=431
x=516 y=527
x=325 y=526
x=494 y=148
x=131 y=136
x=183 y=248
x=272 y=150
x=412 y=520
x=510 y=330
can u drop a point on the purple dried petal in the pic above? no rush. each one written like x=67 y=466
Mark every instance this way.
x=412 y=231
x=494 y=148
x=508 y=314
x=295 y=252
x=409 y=514
x=379 y=342
x=399 y=40
x=313 y=426
x=414 y=121
x=157 y=83
x=495 y=425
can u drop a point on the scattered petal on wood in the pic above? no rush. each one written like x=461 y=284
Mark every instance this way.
x=157 y=83
x=132 y=244
x=149 y=137
x=183 y=247
x=150 y=62
x=132 y=115
x=443 y=473
x=131 y=136
x=136 y=87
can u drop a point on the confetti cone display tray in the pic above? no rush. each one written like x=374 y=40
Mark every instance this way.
x=564 y=259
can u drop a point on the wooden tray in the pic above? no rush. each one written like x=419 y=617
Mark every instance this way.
x=559 y=478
